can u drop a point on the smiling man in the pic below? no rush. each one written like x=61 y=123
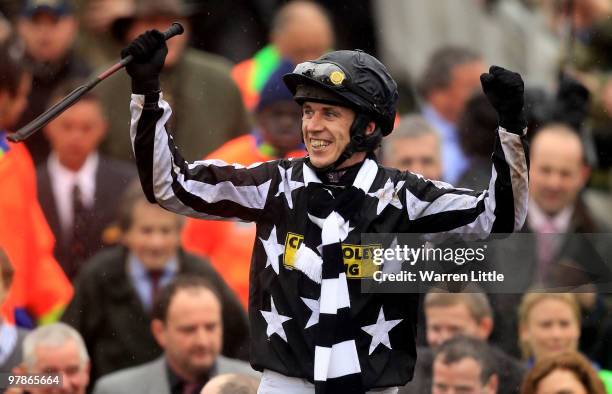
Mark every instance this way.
x=77 y=186
x=187 y=324
x=55 y=349
x=312 y=329
x=115 y=291
x=414 y=146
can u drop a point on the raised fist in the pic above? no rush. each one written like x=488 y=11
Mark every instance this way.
x=149 y=50
x=572 y=104
x=506 y=93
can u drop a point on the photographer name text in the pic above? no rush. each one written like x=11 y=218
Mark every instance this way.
x=432 y=276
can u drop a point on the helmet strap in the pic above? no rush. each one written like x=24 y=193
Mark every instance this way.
x=357 y=133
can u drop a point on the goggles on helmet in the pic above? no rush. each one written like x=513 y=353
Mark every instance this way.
x=330 y=75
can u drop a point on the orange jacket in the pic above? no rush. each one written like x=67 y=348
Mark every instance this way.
x=229 y=245
x=40 y=289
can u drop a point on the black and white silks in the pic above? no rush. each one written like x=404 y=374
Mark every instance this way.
x=309 y=319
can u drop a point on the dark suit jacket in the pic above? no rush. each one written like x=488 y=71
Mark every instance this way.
x=108 y=313
x=520 y=253
x=509 y=371
x=112 y=178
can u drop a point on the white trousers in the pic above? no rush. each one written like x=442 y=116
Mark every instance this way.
x=275 y=383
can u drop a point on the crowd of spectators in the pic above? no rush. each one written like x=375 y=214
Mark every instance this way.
x=118 y=295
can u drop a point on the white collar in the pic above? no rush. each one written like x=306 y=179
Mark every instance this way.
x=63 y=181
x=138 y=269
x=85 y=177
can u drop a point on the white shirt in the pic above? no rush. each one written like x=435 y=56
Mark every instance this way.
x=538 y=219
x=63 y=181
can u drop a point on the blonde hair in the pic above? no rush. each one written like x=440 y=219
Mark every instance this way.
x=530 y=300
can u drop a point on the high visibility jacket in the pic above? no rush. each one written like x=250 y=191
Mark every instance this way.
x=40 y=289
x=252 y=74
x=284 y=298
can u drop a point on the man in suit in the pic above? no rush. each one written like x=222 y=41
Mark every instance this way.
x=78 y=188
x=551 y=250
x=452 y=74
x=448 y=315
x=187 y=324
x=558 y=175
x=114 y=293
x=465 y=365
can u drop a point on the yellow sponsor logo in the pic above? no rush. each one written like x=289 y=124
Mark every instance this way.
x=358 y=259
x=292 y=244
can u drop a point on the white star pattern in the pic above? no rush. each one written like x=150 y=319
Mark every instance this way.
x=313 y=305
x=380 y=331
x=286 y=181
x=393 y=265
x=387 y=195
x=345 y=229
x=273 y=249
x=275 y=321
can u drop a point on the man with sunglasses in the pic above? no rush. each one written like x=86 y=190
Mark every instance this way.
x=312 y=328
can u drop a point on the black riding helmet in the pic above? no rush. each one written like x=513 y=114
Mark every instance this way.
x=351 y=79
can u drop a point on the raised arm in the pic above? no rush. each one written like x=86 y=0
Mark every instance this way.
x=203 y=189
x=435 y=207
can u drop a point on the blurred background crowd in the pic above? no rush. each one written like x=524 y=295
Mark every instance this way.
x=119 y=295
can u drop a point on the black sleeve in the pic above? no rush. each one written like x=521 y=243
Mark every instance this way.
x=207 y=189
x=438 y=207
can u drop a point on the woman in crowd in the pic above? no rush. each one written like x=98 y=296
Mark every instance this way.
x=565 y=373
x=549 y=324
